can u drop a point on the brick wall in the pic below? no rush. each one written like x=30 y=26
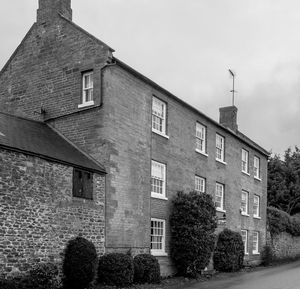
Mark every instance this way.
x=38 y=214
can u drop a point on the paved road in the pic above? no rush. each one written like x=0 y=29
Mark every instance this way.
x=279 y=277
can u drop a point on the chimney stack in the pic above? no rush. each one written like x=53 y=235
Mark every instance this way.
x=49 y=9
x=228 y=117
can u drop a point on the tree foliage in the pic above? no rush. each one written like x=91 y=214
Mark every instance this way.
x=284 y=182
x=193 y=222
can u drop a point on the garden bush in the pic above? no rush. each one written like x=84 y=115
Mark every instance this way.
x=80 y=263
x=229 y=252
x=192 y=222
x=266 y=255
x=44 y=276
x=146 y=269
x=116 y=269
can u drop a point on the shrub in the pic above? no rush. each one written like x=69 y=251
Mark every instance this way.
x=266 y=255
x=146 y=269
x=192 y=222
x=116 y=269
x=229 y=252
x=44 y=276
x=80 y=263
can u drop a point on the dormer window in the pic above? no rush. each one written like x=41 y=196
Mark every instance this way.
x=87 y=89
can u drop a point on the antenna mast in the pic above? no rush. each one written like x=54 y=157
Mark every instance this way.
x=233 y=91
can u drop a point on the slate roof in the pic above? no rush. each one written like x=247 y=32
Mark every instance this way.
x=38 y=139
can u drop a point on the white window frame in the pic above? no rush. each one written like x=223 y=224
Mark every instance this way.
x=162 y=116
x=245 y=241
x=220 y=148
x=245 y=211
x=255 y=242
x=220 y=188
x=245 y=161
x=200 y=184
x=162 y=250
x=256 y=167
x=201 y=138
x=158 y=178
x=256 y=212
x=90 y=89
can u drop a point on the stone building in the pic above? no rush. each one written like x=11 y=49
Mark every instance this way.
x=151 y=143
x=42 y=204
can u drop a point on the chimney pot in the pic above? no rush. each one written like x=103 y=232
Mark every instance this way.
x=49 y=9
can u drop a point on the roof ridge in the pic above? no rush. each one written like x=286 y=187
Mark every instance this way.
x=86 y=32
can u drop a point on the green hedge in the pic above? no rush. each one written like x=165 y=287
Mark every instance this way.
x=192 y=222
x=279 y=221
x=146 y=269
x=229 y=252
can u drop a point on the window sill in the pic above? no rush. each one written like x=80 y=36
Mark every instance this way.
x=257 y=217
x=221 y=210
x=244 y=214
x=157 y=196
x=222 y=162
x=153 y=253
x=85 y=104
x=255 y=253
x=202 y=153
x=258 y=179
x=246 y=173
x=246 y=253
x=160 y=133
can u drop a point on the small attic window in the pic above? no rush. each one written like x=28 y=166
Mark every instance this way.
x=82 y=184
x=87 y=97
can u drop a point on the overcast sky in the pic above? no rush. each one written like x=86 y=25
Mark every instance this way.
x=187 y=46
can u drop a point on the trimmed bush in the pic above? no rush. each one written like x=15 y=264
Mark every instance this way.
x=80 y=263
x=192 y=222
x=267 y=256
x=229 y=252
x=116 y=269
x=44 y=276
x=146 y=269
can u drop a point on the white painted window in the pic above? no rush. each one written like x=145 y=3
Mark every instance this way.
x=244 y=202
x=200 y=138
x=256 y=206
x=158 y=116
x=158 y=180
x=257 y=167
x=199 y=184
x=219 y=197
x=255 y=242
x=245 y=240
x=158 y=237
x=220 y=147
x=245 y=161
x=87 y=89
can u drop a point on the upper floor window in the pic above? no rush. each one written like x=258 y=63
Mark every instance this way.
x=257 y=167
x=199 y=184
x=244 y=203
x=255 y=245
x=159 y=109
x=158 y=236
x=245 y=240
x=256 y=206
x=87 y=89
x=245 y=161
x=200 y=138
x=158 y=180
x=219 y=197
x=82 y=184
x=220 y=148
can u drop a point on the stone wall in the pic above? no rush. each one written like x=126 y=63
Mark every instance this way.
x=285 y=246
x=38 y=214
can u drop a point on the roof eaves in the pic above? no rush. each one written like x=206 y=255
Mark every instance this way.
x=85 y=32
x=243 y=138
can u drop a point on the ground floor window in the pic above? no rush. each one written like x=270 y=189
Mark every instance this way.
x=157 y=236
x=245 y=240
x=255 y=245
